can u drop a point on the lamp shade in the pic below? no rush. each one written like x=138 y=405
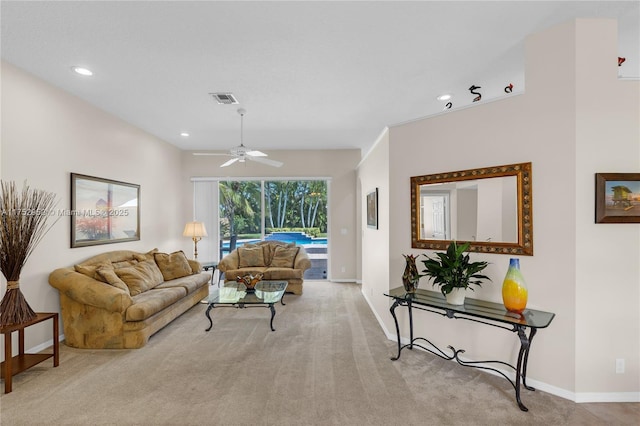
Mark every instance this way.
x=194 y=229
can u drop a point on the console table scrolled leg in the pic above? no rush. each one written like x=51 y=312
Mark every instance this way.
x=526 y=359
x=410 y=325
x=522 y=355
x=395 y=319
x=273 y=314
x=209 y=317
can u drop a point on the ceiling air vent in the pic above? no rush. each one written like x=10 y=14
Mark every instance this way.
x=224 y=98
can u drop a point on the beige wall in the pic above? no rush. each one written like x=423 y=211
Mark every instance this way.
x=575 y=119
x=337 y=165
x=46 y=135
x=374 y=173
x=607 y=255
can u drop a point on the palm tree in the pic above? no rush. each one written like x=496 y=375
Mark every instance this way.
x=233 y=201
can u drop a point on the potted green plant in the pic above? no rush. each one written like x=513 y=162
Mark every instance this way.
x=454 y=272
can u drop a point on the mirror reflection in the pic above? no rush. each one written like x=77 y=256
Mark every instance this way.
x=488 y=207
x=473 y=210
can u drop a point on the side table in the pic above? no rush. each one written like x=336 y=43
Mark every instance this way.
x=21 y=362
x=211 y=265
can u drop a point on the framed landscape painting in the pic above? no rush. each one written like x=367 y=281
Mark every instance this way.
x=617 y=197
x=103 y=211
x=372 y=209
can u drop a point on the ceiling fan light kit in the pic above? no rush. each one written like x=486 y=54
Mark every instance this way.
x=241 y=153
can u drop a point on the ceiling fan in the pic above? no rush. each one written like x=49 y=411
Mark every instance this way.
x=241 y=153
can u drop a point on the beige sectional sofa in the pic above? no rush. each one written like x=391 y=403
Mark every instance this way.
x=120 y=298
x=276 y=260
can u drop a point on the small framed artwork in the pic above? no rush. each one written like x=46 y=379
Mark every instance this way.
x=103 y=211
x=617 y=197
x=372 y=209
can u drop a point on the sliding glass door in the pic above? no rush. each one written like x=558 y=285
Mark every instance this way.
x=239 y=212
x=296 y=204
x=285 y=210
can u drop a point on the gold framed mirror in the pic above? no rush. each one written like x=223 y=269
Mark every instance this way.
x=491 y=208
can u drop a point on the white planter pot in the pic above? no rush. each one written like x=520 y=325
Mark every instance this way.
x=456 y=297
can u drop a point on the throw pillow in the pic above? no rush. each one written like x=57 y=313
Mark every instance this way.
x=109 y=276
x=250 y=256
x=140 y=277
x=124 y=263
x=141 y=257
x=91 y=270
x=174 y=265
x=284 y=257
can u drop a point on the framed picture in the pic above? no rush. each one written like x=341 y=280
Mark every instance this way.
x=103 y=211
x=372 y=209
x=617 y=197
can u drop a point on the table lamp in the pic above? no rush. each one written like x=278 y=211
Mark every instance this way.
x=196 y=231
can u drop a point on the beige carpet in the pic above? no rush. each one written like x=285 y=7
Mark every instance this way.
x=327 y=363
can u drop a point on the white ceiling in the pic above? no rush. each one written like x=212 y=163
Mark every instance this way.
x=310 y=74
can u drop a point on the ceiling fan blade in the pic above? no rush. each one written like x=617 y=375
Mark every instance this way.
x=254 y=153
x=266 y=161
x=230 y=162
x=210 y=153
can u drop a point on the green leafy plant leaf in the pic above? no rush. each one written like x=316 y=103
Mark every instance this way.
x=454 y=269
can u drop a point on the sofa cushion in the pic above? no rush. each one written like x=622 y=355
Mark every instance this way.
x=251 y=256
x=269 y=248
x=283 y=273
x=172 y=266
x=109 y=276
x=153 y=301
x=140 y=277
x=231 y=274
x=191 y=283
x=284 y=257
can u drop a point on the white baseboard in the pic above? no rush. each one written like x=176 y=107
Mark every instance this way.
x=348 y=280
x=580 y=397
x=44 y=345
x=607 y=397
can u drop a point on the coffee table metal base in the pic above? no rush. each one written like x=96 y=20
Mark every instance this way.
x=242 y=306
x=236 y=295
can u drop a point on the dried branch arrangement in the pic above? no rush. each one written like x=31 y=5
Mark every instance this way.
x=23 y=224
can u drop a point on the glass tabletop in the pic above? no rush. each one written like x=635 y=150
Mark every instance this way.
x=264 y=292
x=475 y=308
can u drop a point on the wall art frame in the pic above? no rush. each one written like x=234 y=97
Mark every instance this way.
x=103 y=211
x=617 y=198
x=372 y=209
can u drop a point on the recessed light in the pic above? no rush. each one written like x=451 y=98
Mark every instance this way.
x=82 y=71
x=444 y=97
x=184 y=134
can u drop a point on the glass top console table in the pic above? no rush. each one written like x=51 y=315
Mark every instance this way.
x=480 y=311
x=265 y=294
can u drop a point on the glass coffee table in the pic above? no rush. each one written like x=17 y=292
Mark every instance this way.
x=236 y=295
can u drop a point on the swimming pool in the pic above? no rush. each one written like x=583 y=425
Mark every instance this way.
x=287 y=237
